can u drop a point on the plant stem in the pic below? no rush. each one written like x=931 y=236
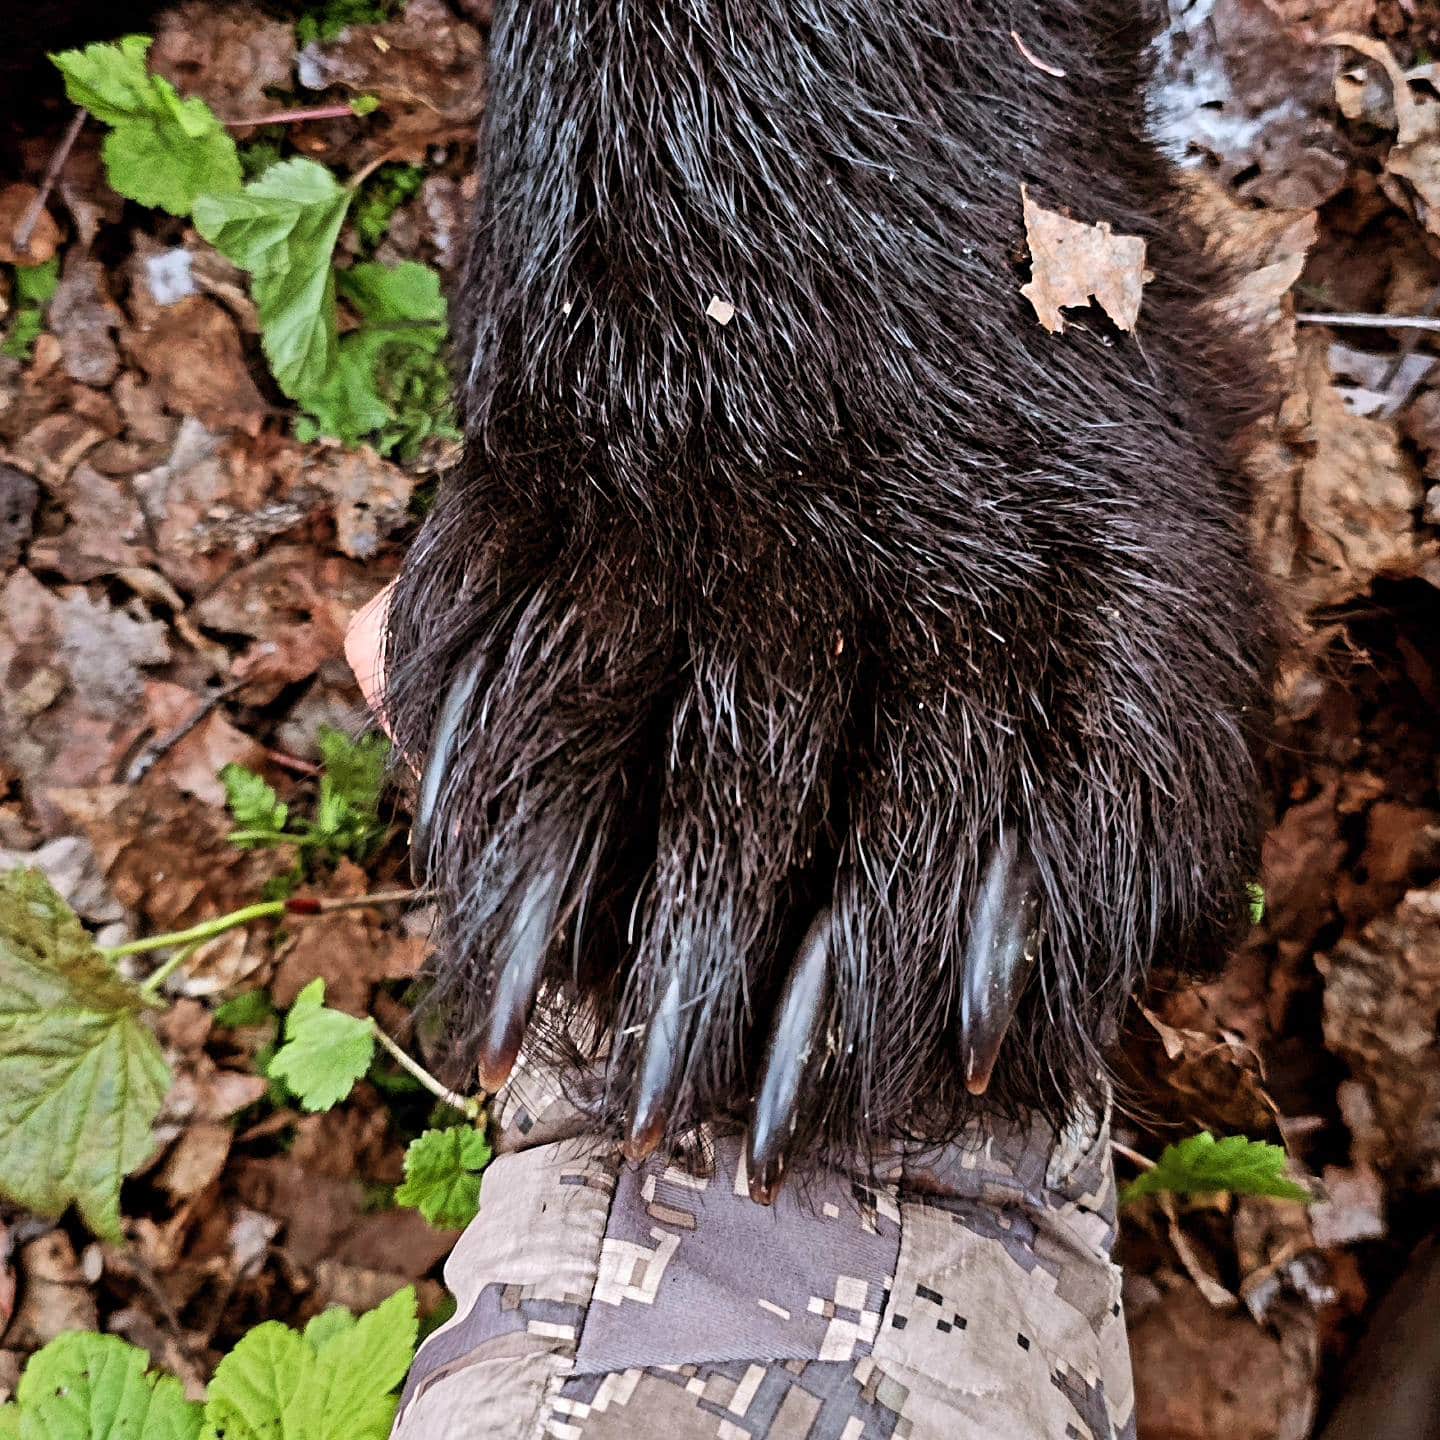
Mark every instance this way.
x=150 y=985
x=294 y=117
x=197 y=934
x=28 y=221
x=463 y=1103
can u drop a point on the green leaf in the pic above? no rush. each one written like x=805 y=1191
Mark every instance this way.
x=388 y=368
x=282 y=228
x=81 y=1076
x=325 y=1051
x=37 y=284
x=442 y=1175
x=334 y=1321
x=1256 y=894
x=96 y=1387
x=335 y=1382
x=35 y=287
x=1203 y=1165
x=161 y=150
x=347 y=812
x=251 y=1007
x=252 y=802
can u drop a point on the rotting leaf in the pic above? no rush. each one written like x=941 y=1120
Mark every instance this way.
x=81 y=1076
x=1072 y=261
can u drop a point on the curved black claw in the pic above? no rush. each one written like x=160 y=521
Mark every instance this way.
x=519 y=962
x=659 y=1074
x=437 y=766
x=999 y=951
x=793 y=1037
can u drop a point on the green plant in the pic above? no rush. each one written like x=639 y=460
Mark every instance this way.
x=336 y=1380
x=383 y=194
x=346 y=822
x=82 y=1076
x=35 y=287
x=280 y=220
x=325 y=21
x=1204 y=1165
x=390 y=380
x=161 y=150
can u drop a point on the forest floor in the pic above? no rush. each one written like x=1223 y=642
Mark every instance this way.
x=179 y=558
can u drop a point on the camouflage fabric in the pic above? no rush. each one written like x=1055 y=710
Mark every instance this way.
x=971 y=1294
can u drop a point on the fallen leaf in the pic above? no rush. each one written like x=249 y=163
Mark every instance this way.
x=427 y=69
x=192 y=353
x=18 y=497
x=1359 y=493
x=196 y=1160
x=1353 y=1208
x=370 y=495
x=1072 y=261
x=1381 y=1010
x=15 y=200
x=228 y=57
x=106 y=532
x=1201 y=1372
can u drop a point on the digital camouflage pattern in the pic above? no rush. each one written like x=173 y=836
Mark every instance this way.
x=972 y=1294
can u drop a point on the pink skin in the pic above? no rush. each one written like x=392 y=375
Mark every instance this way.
x=364 y=639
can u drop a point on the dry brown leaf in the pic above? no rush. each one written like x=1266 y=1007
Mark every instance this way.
x=1202 y=1372
x=15 y=200
x=427 y=68
x=83 y=317
x=227 y=56
x=1359 y=493
x=1382 y=1005
x=54 y=1297
x=18 y=497
x=192 y=763
x=370 y=495
x=1072 y=261
x=166 y=855
x=192 y=353
x=1353 y=1208
x=106 y=533
x=351 y=950
x=196 y=1159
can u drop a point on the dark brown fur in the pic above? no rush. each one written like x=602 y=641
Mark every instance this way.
x=804 y=608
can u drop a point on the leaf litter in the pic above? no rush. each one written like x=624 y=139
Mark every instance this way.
x=178 y=557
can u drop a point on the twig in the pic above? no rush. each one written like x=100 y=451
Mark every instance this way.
x=1370 y=322
x=314 y=905
x=463 y=1103
x=263 y=910
x=31 y=218
x=158 y=748
x=295 y=117
x=1134 y=1156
